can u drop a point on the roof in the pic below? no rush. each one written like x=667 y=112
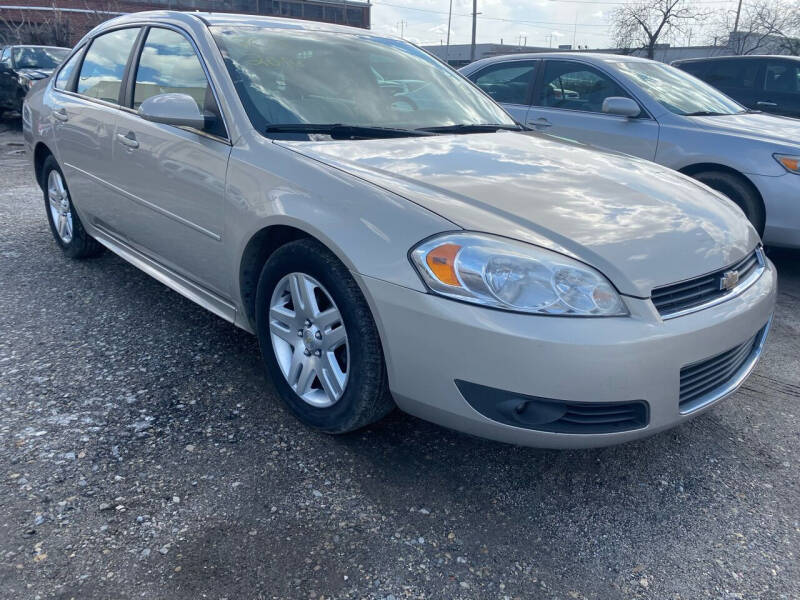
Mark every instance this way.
x=231 y=19
x=736 y=57
x=585 y=56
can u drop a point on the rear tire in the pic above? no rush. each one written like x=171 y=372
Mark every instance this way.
x=65 y=224
x=738 y=190
x=313 y=321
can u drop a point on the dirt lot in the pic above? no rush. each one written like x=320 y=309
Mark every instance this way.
x=143 y=454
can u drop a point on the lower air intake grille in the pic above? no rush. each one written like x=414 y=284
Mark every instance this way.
x=706 y=377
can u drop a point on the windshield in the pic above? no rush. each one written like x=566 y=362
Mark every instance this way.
x=298 y=76
x=678 y=91
x=32 y=57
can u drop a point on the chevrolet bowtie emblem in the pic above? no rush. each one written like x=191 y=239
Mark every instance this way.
x=729 y=280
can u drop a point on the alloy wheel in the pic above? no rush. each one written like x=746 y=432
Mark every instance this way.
x=309 y=339
x=60 y=208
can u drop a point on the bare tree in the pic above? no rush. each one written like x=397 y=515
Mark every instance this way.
x=765 y=26
x=640 y=25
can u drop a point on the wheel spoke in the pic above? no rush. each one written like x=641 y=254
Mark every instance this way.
x=335 y=338
x=62 y=191
x=288 y=334
x=296 y=366
x=289 y=318
x=303 y=295
x=306 y=377
x=62 y=225
x=331 y=377
x=327 y=319
x=68 y=227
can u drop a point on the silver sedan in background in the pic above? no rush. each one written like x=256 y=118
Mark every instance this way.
x=392 y=236
x=654 y=111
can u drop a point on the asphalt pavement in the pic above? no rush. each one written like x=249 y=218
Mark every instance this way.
x=144 y=454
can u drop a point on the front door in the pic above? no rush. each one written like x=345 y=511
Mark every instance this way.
x=174 y=177
x=568 y=103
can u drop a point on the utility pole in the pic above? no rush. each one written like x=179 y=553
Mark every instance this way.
x=474 y=29
x=402 y=24
x=738 y=12
x=449 y=20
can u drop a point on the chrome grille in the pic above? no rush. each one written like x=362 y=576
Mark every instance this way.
x=694 y=294
x=707 y=377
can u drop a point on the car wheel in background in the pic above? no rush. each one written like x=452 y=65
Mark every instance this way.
x=319 y=341
x=738 y=190
x=64 y=222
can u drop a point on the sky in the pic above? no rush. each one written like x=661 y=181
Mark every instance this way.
x=540 y=22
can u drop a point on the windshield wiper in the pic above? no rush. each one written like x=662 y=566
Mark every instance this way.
x=472 y=128
x=706 y=113
x=338 y=131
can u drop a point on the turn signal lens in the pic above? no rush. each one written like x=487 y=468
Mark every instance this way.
x=442 y=260
x=790 y=163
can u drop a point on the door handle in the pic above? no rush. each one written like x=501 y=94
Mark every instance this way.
x=129 y=140
x=762 y=103
x=540 y=123
x=61 y=114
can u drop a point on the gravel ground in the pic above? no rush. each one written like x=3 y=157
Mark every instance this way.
x=143 y=454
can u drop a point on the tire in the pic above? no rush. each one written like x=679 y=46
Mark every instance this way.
x=65 y=225
x=286 y=336
x=738 y=190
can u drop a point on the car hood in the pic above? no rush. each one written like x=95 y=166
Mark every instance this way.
x=35 y=73
x=771 y=128
x=641 y=224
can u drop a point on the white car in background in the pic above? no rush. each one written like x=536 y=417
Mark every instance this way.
x=655 y=111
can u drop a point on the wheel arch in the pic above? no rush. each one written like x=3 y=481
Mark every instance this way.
x=40 y=153
x=694 y=169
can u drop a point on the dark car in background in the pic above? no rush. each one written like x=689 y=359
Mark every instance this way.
x=767 y=83
x=21 y=66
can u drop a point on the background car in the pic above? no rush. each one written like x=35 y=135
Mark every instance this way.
x=654 y=111
x=768 y=83
x=21 y=66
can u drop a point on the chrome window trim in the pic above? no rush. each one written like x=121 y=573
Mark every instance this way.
x=736 y=291
x=738 y=378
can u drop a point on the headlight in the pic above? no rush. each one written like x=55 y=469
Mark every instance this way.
x=790 y=163
x=515 y=276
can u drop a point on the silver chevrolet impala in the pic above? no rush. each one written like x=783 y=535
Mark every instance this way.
x=392 y=236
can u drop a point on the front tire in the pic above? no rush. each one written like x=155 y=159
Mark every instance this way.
x=65 y=224
x=738 y=190
x=319 y=341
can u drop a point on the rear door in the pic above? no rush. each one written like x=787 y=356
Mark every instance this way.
x=510 y=84
x=84 y=113
x=737 y=78
x=568 y=103
x=781 y=87
x=173 y=178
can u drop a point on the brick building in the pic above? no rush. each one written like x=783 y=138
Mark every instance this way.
x=64 y=22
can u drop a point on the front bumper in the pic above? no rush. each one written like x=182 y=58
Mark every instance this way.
x=781 y=196
x=431 y=342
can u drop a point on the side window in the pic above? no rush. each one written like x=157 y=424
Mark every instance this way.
x=508 y=82
x=168 y=64
x=575 y=86
x=782 y=77
x=733 y=73
x=104 y=64
x=66 y=71
x=693 y=68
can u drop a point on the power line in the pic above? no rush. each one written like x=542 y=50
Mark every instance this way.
x=485 y=18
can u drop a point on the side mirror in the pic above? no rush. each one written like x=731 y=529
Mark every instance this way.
x=624 y=107
x=173 y=109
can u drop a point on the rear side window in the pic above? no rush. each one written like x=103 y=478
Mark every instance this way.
x=507 y=83
x=66 y=71
x=732 y=73
x=104 y=64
